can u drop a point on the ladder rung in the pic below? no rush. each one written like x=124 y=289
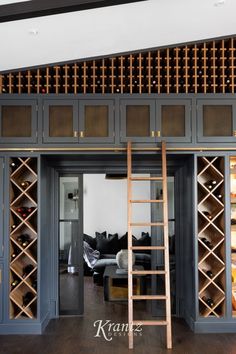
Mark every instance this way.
x=149 y=297
x=146 y=178
x=147 y=201
x=147 y=248
x=144 y=272
x=150 y=323
x=147 y=224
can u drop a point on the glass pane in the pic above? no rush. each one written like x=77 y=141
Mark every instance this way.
x=69 y=266
x=138 y=120
x=217 y=120
x=173 y=120
x=61 y=121
x=233 y=230
x=69 y=198
x=16 y=121
x=96 y=121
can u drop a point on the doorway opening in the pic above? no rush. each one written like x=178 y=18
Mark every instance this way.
x=94 y=200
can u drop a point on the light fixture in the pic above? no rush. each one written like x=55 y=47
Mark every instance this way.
x=114 y=176
x=219 y=3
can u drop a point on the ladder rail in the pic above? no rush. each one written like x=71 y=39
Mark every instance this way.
x=164 y=247
x=130 y=257
x=166 y=243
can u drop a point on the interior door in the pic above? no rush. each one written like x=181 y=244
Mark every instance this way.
x=70 y=257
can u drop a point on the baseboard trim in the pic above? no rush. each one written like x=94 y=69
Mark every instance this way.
x=19 y=327
x=213 y=327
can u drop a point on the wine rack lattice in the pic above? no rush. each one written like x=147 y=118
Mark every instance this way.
x=211 y=236
x=208 y=67
x=23 y=238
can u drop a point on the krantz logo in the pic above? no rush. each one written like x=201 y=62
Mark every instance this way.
x=108 y=329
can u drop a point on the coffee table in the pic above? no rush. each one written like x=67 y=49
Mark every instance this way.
x=116 y=284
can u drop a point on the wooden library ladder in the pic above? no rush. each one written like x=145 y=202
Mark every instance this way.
x=165 y=248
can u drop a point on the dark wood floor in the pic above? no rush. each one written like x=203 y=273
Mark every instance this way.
x=75 y=335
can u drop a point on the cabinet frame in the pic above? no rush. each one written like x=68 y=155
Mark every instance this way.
x=137 y=102
x=1 y=205
x=34 y=108
x=111 y=126
x=213 y=102
x=1 y=290
x=46 y=121
x=178 y=102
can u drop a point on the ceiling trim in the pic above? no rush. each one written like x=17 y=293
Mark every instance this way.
x=37 y=8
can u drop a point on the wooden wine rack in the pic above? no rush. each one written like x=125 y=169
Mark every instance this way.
x=208 y=67
x=211 y=236
x=24 y=255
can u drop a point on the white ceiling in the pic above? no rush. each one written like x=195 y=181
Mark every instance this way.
x=111 y=30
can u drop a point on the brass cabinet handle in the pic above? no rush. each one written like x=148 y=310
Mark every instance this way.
x=158 y=133
x=234 y=134
x=75 y=134
x=81 y=134
x=153 y=134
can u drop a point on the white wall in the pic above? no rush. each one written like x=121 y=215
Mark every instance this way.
x=114 y=29
x=105 y=205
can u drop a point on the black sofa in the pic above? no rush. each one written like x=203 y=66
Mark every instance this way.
x=109 y=245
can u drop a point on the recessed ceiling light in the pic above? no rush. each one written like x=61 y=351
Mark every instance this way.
x=219 y=3
x=34 y=31
x=7 y=2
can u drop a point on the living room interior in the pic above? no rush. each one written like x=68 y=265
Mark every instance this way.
x=109 y=214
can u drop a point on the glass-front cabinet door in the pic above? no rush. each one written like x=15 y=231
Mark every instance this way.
x=60 y=121
x=96 y=118
x=216 y=120
x=173 y=120
x=18 y=121
x=70 y=246
x=137 y=119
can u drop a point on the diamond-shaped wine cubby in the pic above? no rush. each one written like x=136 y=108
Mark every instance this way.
x=23 y=238
x=211 y=236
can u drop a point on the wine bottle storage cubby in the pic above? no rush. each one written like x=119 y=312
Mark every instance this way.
x=23 y=238
x=207 y=67
x=211 y=236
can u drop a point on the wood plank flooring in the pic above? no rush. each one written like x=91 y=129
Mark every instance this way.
x=75 y=335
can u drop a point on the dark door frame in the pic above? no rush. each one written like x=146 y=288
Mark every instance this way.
x=179 y=166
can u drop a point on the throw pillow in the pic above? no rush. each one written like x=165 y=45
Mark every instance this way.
x=107 y=245
x=123 y=241
x=91 y=241
x=144 y=240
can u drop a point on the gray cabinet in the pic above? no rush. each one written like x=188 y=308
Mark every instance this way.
x=173 y=120
x=78 y=121
x=1 y=292
x=137 y=120
x=216 y=120
x=18 y=121
x=60 y=121
x=1 y=207
x=146 y=121
x=96 y=121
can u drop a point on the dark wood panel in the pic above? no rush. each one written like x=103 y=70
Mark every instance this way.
x=37 y=8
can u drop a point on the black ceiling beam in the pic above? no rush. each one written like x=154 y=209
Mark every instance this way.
x=37 y=8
